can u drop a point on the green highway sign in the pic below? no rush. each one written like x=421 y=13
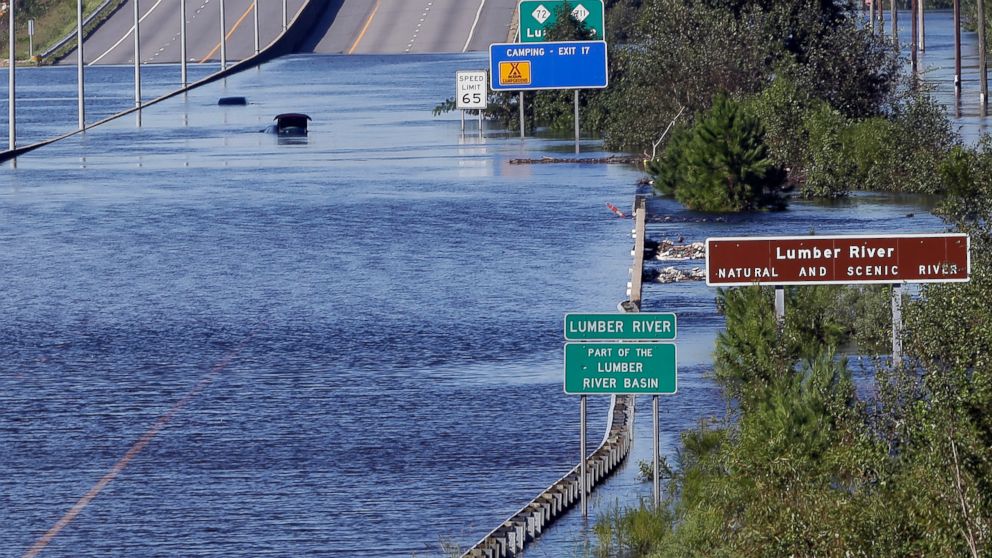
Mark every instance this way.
x=538 y=15
x=620 y=327
x=620 y=368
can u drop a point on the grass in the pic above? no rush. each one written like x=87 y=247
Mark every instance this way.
x=53 y=19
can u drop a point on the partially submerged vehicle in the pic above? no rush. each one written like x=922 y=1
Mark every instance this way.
x=290 y=124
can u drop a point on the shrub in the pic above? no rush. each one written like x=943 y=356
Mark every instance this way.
x=721 y=164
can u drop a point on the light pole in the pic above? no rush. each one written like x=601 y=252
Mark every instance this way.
x=223 y=38
x=80 y=83
x=11 y=88
x=182 y=43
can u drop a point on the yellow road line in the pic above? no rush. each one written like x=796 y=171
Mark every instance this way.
x=118 y=467
x=365 y=28
x=229 y=33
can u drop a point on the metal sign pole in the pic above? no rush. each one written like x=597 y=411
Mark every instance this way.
x=254 y=9
x=780 y=305
x=657 y=452
x=914 y=36
x=582 y=458
x=521 y=103
x=463 y=120
x=285 y=15
x=137 y=54
x=182 y=43
x=30 y=38
x=897 y=325
x=11 y=86
x=80 y=76
x=223 y=37
x=576 y=121
x=895 y=21
x=480 y=123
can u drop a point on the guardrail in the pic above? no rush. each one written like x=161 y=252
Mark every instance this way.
x=99 y=15
x=286 y=43
x=511 y=536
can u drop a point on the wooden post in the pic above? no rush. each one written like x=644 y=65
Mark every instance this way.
x=895 y=21
x=636 y=274
x=983 y=70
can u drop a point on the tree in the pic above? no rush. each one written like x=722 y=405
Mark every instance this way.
x=721 y=164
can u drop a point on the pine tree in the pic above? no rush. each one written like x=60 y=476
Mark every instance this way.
x=722 y=164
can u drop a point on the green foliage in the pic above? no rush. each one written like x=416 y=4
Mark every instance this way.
x=721 y=164
x=630 y=531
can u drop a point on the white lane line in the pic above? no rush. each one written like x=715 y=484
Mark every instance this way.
x=126 y=35
x=478 y=14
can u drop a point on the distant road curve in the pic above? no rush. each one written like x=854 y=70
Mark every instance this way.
x=344 y=27
x=113 y=43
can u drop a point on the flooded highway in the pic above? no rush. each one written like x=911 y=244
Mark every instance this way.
x=216 y=343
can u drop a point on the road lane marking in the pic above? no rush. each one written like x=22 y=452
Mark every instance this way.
x=365 y=28
x=126 y=35
x=471 y=32
x=229 y=33
x=145 y=439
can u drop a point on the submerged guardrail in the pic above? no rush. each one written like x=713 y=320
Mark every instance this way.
x=511 y=536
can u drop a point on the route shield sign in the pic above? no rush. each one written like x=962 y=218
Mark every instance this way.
x=802 y=260
x=641 y=326
x=620 y=368
x=538 y=15
x=560 y=65
x=471 y=91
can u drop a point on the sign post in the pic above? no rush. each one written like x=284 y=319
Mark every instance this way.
x=471 y=93
x=640 y=366
x=538 y=15
x=30 y=38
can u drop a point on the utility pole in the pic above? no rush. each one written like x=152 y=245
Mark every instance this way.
x=914 y=39
x=80 y=81
x=983 y=73
x=922 y=23
x=895 y=22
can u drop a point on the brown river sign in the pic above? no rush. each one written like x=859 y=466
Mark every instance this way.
x=803 y=260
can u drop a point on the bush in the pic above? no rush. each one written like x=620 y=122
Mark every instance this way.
x=721 y=164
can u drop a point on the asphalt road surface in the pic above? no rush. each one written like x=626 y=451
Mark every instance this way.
x=346 y=26
x=415 y=26
x=113 y=42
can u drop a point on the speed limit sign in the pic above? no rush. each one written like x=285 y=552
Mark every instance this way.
x=471 y=90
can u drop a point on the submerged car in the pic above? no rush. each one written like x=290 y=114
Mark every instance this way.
x=290 y=124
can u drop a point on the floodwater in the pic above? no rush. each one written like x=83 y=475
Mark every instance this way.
x=216 y=343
